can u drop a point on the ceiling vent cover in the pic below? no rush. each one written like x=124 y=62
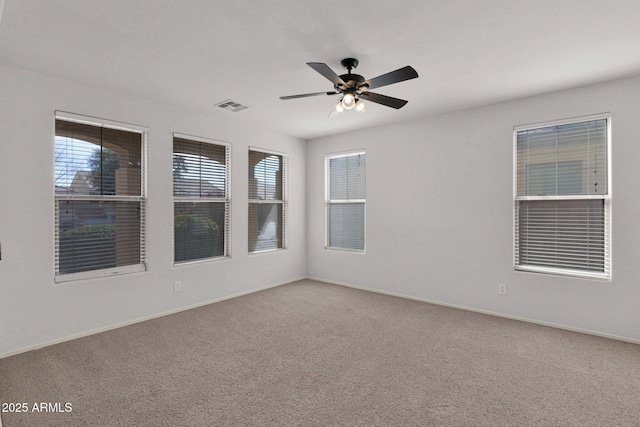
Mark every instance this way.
x=230 y=105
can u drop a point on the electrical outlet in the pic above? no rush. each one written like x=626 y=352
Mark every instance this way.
x=177 y=286
x=502 y=289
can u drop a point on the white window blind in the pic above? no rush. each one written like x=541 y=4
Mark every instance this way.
x=267 y=201
x=562 y=202
x=345 y=201
x=201 y=199
x=99 y=199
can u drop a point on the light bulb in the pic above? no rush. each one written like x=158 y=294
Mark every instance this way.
x=339 y=107
x=360 y=107
x=348 y=101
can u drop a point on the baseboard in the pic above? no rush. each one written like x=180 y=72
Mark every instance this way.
x=142 y=319
x=476 y=310
x=318 y=279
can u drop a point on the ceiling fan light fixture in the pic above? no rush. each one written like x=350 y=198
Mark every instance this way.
x=348 y=101
x=360 y=106
x=338 y=107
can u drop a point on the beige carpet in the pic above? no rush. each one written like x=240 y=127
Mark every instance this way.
x=313 y=354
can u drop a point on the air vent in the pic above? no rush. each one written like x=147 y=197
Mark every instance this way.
x=231 y=105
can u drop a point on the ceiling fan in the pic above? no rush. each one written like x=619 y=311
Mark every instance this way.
x=354 y=88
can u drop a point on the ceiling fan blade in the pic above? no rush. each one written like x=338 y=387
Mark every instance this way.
x=384 y=100
x=327 y=72
x=399 y=75
x=305 y=95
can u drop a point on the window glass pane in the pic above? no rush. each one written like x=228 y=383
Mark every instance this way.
x=346 y=225
x=347 y=177
x=95 y=235
x=563 y=160
x=567 y=234
x=199 y=169
x=265 y=226
x=73 y=174
x=265 y=176
x=199 y=230
x=554 y=178
x=93 y=160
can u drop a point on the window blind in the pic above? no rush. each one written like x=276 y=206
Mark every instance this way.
x=96 y=235
x=563 y=234
x=267 y=201
x=88 y=158
x=568 y=159
x=562 y=204
x=201 y=199
x=346 y=194
x=99 y=200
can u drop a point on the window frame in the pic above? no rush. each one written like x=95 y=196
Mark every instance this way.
x=226 y=200
x=329 y=201
x=283 y=201
x=606 y=198
x=142 y=199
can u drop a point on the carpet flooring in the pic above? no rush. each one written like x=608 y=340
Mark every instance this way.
x=314 y=354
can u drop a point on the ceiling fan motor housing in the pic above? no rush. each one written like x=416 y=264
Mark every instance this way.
x=352 y=80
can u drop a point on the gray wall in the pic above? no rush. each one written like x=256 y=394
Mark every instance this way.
x=440 y=213
x=34 y=310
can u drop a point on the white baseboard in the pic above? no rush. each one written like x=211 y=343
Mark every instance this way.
x=318 y=279
x=476 y=310
x=142 y=319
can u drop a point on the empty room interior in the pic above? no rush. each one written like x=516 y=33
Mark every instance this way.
x=319 y=213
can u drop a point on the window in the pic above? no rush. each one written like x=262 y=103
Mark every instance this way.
x=99 y=198
x=267 y=200
x=200 y=199
x=562 y=198
x=345 y=201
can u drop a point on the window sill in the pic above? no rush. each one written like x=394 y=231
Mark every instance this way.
x=267 y=251
x=97 y=274
x=353 y=251
x=605 y=277
x=201 y=261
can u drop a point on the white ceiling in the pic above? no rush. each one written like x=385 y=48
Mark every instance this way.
x=196 y=53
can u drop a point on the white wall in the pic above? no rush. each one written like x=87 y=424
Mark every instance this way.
x=440 y=213
x=34 y=310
